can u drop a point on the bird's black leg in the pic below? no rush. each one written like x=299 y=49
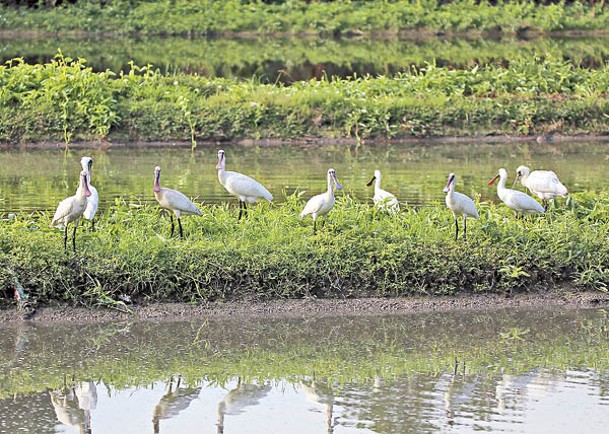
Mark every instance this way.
x=240 y=209
x=92 y=225
x=65 y=239
x=456 y=229
x=314 y=226
x=74 y=237
x=180 y=225
x=545 y=204
x=172 y=227
x=244 y=209
x=464 y=228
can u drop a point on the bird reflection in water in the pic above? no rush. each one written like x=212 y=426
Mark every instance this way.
x=73 y=405
x=237 y=399
x=321 y=393
x=173 y=402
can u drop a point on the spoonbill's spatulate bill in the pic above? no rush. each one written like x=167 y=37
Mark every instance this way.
x=520 y=202
x=459 y=204
x=246 y=189
x=323 y=203
x=382 y=198
x=173 y=201
x=71 y=209
x=542 y=183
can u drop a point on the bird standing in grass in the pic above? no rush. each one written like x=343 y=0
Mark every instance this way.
x=542 y=183
x=71 y=210
x=246 y=189
x=323 y=203
x=520 y=202
x=383 y=199
x=459 y=204
x=173 y=201
x=93 y=200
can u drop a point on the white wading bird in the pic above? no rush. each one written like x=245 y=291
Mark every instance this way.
x=383 y=199
x=517 y=200
x=459 y=204
x=542 y=183
x=71 y=209
x=173 y=201
x=323 y=203
x=242 y=186
x=93 y=200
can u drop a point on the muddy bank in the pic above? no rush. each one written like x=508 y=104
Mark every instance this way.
x=307 y=307
x=311 y=141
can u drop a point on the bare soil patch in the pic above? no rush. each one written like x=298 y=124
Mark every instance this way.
x=307 y=307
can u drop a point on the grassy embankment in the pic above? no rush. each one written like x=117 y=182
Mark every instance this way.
x=66 y=100
x=273 y=254
x=205 y=17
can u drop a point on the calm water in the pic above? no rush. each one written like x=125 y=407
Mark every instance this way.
x=292 y=59
x=416 y=174
x=519 y=371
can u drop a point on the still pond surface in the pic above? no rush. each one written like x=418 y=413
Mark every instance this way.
x=36 y=180
x=507 y=370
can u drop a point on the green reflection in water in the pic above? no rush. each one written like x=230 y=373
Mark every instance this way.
x=294 y=59
x=339 y=349
x=415 y=173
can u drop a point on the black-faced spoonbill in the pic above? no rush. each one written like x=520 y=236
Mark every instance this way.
x=382 y=198
x=323 y=203
x=93 y=200
x=517 y=200
x=542 y=183
x=246 y=189
x=459 y=204
x=71 y=209
x=173 y=201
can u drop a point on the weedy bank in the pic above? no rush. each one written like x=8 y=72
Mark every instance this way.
x=66 y=100
x=273 y=254
x=327 y=18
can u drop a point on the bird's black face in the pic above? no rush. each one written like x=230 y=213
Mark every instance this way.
x=90 y=164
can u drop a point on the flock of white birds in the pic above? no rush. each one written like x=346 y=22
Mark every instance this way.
x=542 y=183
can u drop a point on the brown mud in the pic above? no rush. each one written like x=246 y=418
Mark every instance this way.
x=312 y=141
x=292 y=308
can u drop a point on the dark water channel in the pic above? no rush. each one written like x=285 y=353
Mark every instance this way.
x=293 y=59
x=516 y=370
x=36 y=180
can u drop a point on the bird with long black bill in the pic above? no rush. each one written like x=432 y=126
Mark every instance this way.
x=173 y=201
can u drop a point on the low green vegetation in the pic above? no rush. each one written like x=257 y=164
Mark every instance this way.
x=208 y=17
x=66 y=100
x=273 y=254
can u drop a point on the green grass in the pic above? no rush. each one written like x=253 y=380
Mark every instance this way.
x=66 y=100
x=208 y=17
x=273 y=254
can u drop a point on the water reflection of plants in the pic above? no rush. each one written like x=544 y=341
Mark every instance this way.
x=334 y=352
x=297 y=59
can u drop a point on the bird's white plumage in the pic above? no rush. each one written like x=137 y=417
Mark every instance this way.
x=542 y=183
x=458 y=203
x=173 y=200
x=93 y=199
x=517 y=200
x=242 y=186
x=71 y=209
x=323 y=203
x=382 y=198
